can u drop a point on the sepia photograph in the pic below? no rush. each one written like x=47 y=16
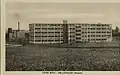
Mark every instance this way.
x=62 y=36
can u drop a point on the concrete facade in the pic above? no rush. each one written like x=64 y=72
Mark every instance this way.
x=69 y=32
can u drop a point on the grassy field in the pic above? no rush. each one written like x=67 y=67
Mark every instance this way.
x=42 y=58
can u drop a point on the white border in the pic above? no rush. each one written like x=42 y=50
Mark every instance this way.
x=3 y=72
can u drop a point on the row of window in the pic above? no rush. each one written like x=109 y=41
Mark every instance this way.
x=47 y=40
x=97 y=28
x=96 y=32
x=72 y=24
x=52 y=24
x=74 y=28
x=48 y=28
x=53 y=32
x=93 y=39
x=48 y=36
x=96 y=35
x=74 y=36
x=69 y=40
x=48 y=24
x=45 y=36
x=48 y=32
x=95 y=25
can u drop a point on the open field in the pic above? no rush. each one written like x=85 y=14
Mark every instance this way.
x=42 y=58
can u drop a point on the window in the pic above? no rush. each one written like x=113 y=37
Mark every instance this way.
x=57 y=32
x=44 y=28
x=103 y=35
x=43 y=36
x=37 y=40
x=78 y=34
x=88 y=31
x=37 y=28
x=103 y=25
x=98 y=32
x=37 y=36
x=78 y=30
x=98 y=28
x=103 y=32
x=72 y=36
x=44 y=32
x=109 y=28
x=82 y=24
x=92 y=32
x=72 y=32
x=50 y=28
x=108 y=35
x=92 y=24
x=79 y=26
x=72 y=28
x=37 y=32
x=83 y=32
x=98 y=35
x=82 y=28
x=37 y=24
x=108 y=32
x=98 y=24
x=78 y=37
x=92 y=28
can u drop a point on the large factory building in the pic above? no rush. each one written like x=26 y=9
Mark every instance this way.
x=69 y=32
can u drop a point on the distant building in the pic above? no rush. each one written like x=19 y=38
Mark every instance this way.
x=16 y=35
x=69 y=32
x=20 y=33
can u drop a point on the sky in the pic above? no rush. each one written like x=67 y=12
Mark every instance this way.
x=39 y=11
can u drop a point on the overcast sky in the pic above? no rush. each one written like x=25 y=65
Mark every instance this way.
x=55 y=12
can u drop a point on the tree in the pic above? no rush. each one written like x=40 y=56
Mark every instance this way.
x=116 y=29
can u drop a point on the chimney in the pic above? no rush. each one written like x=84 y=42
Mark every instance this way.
x=18 y=25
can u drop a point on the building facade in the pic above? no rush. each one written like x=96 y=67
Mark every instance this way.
x=69 y=33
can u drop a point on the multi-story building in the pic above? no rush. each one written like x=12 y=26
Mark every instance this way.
x=46 y=33
x=69 y=32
